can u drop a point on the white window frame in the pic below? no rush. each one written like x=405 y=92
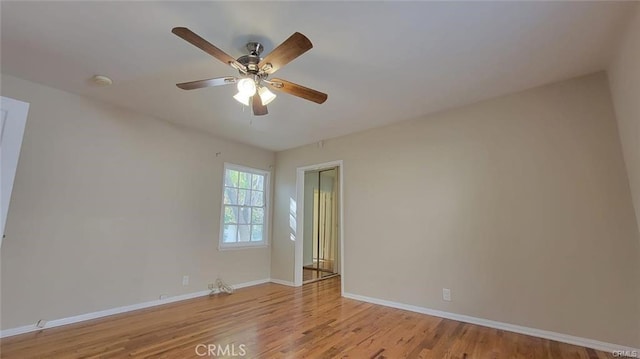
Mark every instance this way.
x=267 y=209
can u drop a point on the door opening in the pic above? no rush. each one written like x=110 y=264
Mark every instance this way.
x=321 y=250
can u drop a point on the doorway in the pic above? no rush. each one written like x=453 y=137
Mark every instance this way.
x=321 y=215
x=296 y=219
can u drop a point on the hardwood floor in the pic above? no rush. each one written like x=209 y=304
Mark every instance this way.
x=310 y=274
x=314 y=274
x=275 y=321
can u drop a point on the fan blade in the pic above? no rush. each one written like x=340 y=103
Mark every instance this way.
x=218 y=81
x=206 y=46
x=296 y=45
x=258 y=108
x=298 y=90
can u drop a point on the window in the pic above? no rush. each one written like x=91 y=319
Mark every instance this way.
x=244 y=207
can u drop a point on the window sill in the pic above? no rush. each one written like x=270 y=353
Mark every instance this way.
x=234 y=247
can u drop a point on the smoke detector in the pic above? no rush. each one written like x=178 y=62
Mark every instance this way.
x=101 y=80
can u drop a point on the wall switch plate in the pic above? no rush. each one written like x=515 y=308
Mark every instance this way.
x=446 y=294
x=185 y=280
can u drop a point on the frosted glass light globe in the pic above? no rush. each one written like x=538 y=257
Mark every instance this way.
x=247 y=87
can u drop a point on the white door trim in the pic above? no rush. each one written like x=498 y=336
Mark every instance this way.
x=300 y=215
x=12 y=124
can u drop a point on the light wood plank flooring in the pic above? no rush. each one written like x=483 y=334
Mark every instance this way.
x=275 y=321
x=314 y=274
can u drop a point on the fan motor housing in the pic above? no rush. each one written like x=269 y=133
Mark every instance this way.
x=252 y=60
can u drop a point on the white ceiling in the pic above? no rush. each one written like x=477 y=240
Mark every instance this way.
x=379 y=62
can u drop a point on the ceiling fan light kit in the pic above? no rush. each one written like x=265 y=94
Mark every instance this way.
x=246 y=87
x=266 y=96
x=254 y=71
x=242 y=99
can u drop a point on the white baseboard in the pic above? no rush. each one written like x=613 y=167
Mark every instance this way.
x=252 y=283
x=283 y=282
x=118 y=310
x=564 y=338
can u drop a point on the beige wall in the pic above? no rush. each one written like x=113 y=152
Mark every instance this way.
x=624 y=78
x=111 y=208
x=520 y=205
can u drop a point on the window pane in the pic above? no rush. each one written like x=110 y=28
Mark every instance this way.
x=244 y=207
x=245 y=180
x=257 y=198
x=229 y=233
x=257 y=216
x=258 y=182
x=256 y=233
x=244 y=197
x=230 y=195
x=231 y=178
x=243 y=233
x=230 y=214
x=245 y=215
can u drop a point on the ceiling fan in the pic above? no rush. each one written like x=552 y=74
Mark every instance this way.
x=254 y=71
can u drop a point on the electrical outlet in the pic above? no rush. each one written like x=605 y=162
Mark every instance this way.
x=41 y=323
x=163 y=296
x=211 y=286
x=185 y=280
x=446 y=294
